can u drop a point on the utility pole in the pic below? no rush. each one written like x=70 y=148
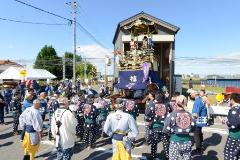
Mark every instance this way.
x=85 y=69
x=74 y=6
x=75 y=39
x=105 y=73
x=64 y=71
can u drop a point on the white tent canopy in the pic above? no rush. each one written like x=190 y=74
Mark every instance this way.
x=45 y=74
x=32 y=74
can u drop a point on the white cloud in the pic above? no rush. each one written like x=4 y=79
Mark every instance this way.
x=222 y=64
x=234 y=55
x=96 y=55
x=94 y=51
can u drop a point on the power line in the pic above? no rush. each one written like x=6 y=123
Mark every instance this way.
x=90 y=35
x=29 y=22
x=70 y=20
x=42 y=10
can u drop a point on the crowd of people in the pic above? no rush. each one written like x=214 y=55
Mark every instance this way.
x=82 y=112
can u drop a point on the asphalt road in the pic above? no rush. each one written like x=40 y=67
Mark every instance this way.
x=11 y=149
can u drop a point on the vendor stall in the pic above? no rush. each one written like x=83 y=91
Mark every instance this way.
x=20 y=73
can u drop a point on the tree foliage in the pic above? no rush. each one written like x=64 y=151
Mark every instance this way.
x=48 y=59
x=69 y=63
x=69 y=55
x=90 y=70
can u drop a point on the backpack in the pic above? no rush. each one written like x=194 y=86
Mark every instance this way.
x=59 y=123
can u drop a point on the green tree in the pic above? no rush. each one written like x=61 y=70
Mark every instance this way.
x=90 y=70
x=69 y=63
x=48 y=59
x=69 y=55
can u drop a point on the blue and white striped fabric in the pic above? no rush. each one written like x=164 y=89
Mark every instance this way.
x=202 y=121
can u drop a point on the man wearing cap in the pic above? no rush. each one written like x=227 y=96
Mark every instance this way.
x=31 y=122
x=63 y=127
x=199 y=112
x=123 y=129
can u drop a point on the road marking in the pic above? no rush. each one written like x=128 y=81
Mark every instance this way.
x=141 y=123
x=47 y=142
x=139 y=147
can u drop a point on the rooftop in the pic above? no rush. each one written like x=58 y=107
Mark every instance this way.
x=7 y=62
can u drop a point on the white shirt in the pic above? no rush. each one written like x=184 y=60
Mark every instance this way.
x=31 y=117
x=67 y=129
x=123 y=122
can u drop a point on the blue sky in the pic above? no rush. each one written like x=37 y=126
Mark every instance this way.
x=208 y=28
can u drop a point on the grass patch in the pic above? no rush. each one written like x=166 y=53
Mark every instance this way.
x=211 y=98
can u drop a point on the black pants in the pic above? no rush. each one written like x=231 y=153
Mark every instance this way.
x=7 y=107
x=198 y=137
x=80 y=128
x=156 y=137
x=1 y=114
x=43 y=116
x=90 y=135
x=100 y=122
x=147 y=134
x=232 y=149
x=16 y=115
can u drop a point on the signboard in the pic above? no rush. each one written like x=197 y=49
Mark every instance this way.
x=135 y=79
x=23 y=73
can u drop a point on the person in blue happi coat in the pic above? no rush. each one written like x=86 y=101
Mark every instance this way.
x=43 y=105
x=199 y=112
x=27 y=102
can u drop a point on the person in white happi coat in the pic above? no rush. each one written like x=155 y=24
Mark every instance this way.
x=63 y=127
x=123 y=129
x=31 y=123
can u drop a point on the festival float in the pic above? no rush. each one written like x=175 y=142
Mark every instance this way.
x=144 y=51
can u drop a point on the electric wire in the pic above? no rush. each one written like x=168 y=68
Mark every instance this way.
x=29 y=22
